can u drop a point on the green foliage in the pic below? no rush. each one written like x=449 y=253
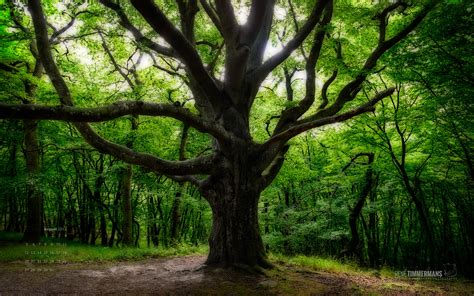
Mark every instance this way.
x=62 y=251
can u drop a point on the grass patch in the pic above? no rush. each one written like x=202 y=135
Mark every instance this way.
x=320 y=263
x=333 y=265
x=61 y=251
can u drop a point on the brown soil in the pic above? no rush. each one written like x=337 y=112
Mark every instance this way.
x=187 y=276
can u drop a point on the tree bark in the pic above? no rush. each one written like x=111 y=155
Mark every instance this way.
x=353 y=247
x=176 y=210
x=114 y=219
x=233 y=196
x=34 y=221
x=126 y=194
x=176 y=215
x=34 y=217
x=13 y=203
x=235 y=237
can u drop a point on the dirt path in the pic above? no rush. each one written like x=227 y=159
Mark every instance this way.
x=185 y=276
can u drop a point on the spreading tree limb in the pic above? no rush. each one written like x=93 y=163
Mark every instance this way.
x=201 y=165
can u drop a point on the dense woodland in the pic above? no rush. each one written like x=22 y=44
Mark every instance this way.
x=335 y=128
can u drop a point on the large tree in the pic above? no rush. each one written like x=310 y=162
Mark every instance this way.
x=225 y=89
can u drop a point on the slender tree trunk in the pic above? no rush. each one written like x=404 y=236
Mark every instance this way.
x=92 y=222
x=422 y=212
x=103 y=228
x=397 y=240
x=112 y=236
x=152 y=223
x=266 y=229
x=34 y=219
x=137 y=238
x=126 y=194
x=60 y=214
x=175 y=210
x=114 y=219
x=353 y=247
x=68 y=217
x=34 y=197
x=13 y=209
x=374 y=244
x=176 y=215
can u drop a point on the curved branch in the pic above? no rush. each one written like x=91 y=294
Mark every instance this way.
x=268 y=66
x=139 y=37
x=290 y=115
x=270 y=173
x=200 y=165
x=109 y=112
x=301 y=127
x=212 y=15
x=383 y=18
x=331 y=79
x=324 y=90
x=256 y=32
x=370 y=156
x=14 y=17
x=352 y=88
x=59 y=32
x=114 y=62
x=188 y=10
x=186 y=51
x=227 y=18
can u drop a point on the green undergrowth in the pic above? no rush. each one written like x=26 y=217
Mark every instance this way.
x=63 y=251
x=330 y=265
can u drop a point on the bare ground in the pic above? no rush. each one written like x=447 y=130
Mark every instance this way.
x=186 y=276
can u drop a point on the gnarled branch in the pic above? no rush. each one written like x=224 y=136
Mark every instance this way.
x=139 y=37
x=261 y=72
x=201 y=165
x=110 y=112
x=186 y=51
x=212 y=15
x=297 y=129
x=290 y=115
x=351 y=89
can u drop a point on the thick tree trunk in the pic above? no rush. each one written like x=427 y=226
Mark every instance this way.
x=34 y=219
x=34 y=198
x=235 y=237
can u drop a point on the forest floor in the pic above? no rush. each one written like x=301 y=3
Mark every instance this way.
x=185 y=275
